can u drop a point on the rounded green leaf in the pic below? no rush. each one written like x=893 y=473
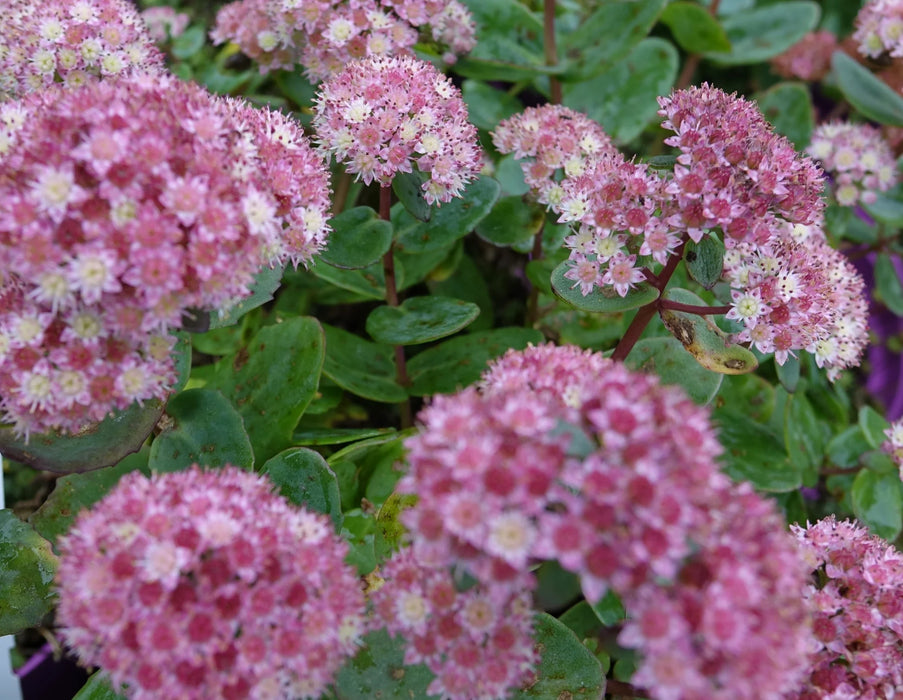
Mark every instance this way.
x=305 y=479
x=805 y=435
x=873 y=425
x=189 y=42
x=359 y=239
x=459 y=362
x=788 y=107
x=887 y=282
x=788 y=373
x=203 y=429
x=98 y=687
x=610 y=609
x=408 y=187
x=753 y=453
x=365 y=369
x=764 y=32
x=872 y=97
x=420 y=320
x=27 y=568
x=100 y=445
x=666 y=358
x=486 y=105
x=694 y=28
x=266 y=282
x=378 y=671
x=598 y=301
x=75 y=492
x=705 y=260
x=511 y=221
x=567 y=669
x=369 y=282
x=272 y=381
x=846 y=448
x=878 y=502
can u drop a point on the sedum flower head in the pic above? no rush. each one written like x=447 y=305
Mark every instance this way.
x=130 y=203
x=325 y=35
x=857 y=157
x=565 y=455
x=202 y=584
x=71 y=43
x=808 y=59
x=164 y=23
x=894 y=443
x=383 y=116
x=879 y=28
x=856 y=597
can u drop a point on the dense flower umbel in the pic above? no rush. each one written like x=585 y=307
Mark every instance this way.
x=616 y=478
x=128 y=203
x=555 y=143
x=42 y=43
x=206 y=584
x=325 y=35
x=857 y=599
x=894 y=443
x=164 y=23
x=808 y=59
x=858 y=158
x=383 y=116
x=795 y=292
x=879 y=28
x=477 y=646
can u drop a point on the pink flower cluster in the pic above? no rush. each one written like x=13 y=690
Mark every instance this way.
x=555 y=144
x=894 y=443
x=858 y=158
x=202 y=584
x=796 y=292
x=325 y=35
x=857 y=599
x=164 y=23
x=477 y=645
x=71 y=42
x=808 y=59
x=562 y=454
x=127 y=203
x=879 y=28
x=384 y=116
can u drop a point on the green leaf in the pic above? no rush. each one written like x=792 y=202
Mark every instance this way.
x=408 y=187
x=266 y=282
x=873 y=425
x=666 y=358
x=368 y=282
x=98 y=687
x=610 y=609
x=705 y=260
x=511 y=221
x=764 y=32
x=582 y=620
x=624 y=96
x=468 y=284
x=703 y=339
x=694 y=29
x=878 y=502
x=27 y=568
x=487 y=106
x=378 y=671
x=273 y=380
x=555 y=587
x=206 y=430
x=788 y=107
x=189 y=42
x=871 y=96
x=337 y=436
x=610 y=33
x=359 y=239
x=806 y=437
x=846 y=448
x=388 y=519
x=449 y=222
x=600 y=301
x=361 y=367
x=459 y=362
x=887 y=282
x=887 y=208
x=420 y=320
x=305 y=479
x=754 y=453
x=788 y=373
x=566 y=668
x=100 y=445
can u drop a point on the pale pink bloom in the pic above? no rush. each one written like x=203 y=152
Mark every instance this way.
x=894 y=443
x=197 y=603
x=879 y=28
x=164 y=23
x=808 y=59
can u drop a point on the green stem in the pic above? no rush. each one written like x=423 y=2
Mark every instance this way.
x=401 y=372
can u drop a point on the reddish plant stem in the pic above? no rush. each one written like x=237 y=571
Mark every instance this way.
x=645 y=313
x=341 y=193
x=551 y=50
x=401 y=372
x=533 y=300
x=692 y=62
x=693 y=308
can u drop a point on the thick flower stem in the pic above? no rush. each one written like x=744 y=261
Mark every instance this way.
x=645 y=313
x=401 y=372
x=551 y=49
x=533 y=300
x=341 y=193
